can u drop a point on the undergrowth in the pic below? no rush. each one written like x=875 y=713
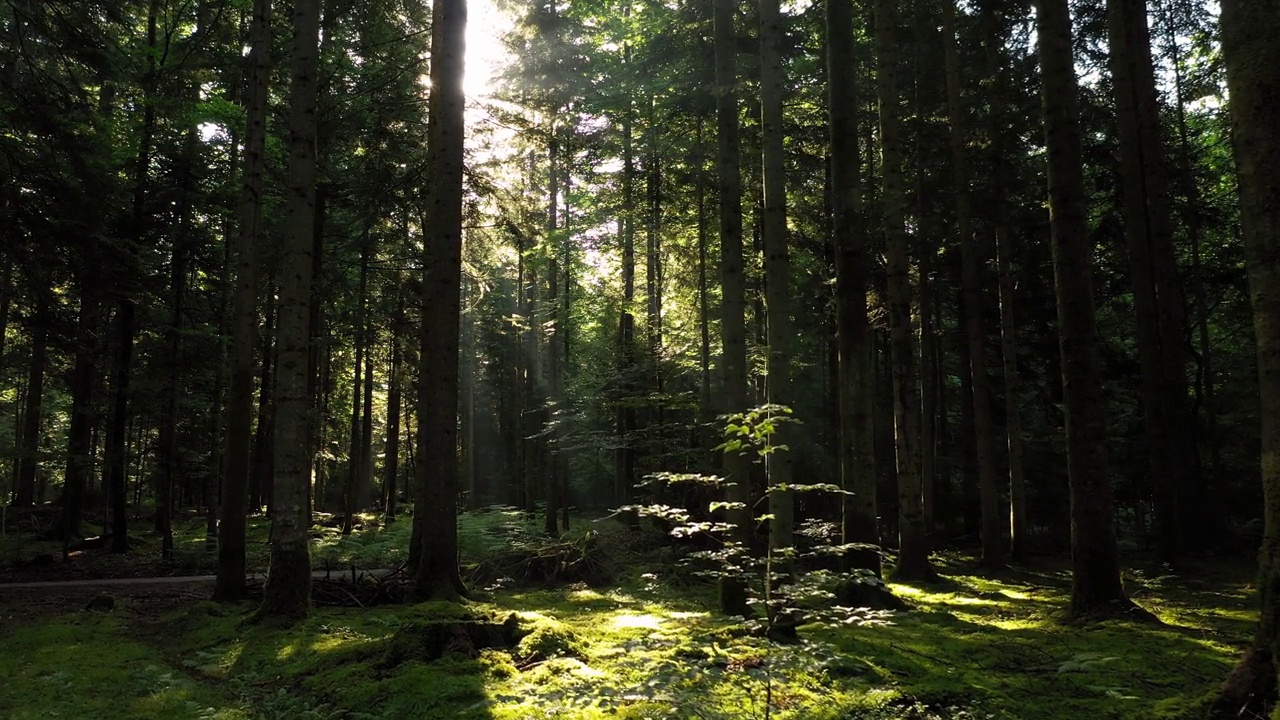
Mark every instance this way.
x=974 y=647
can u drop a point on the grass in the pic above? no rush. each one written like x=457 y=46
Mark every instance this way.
x=990 y=645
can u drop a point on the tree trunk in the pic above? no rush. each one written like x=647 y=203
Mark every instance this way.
x=117 y=431
x=437 y=574
x=1013 y=410
x=625 y=456
x=391 y=465
x=737 y=466
x=230 y=584
x=913 y=544
x=355 y=460
x=287 y=591
x=83 y=379
x=551 y=524
x=1252 y=56
x=32 y=420
x=777 y=268
x=1095 y=565
x=992 y=534
x=1157 y=293
x=263 y=456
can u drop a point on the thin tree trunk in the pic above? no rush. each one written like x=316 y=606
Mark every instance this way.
x=33 y=411
x=391 y=465
x=262 y=458
x=1013 y=410
x=777 y=268
x=84 y=377
x=551 y=524
x=1095 y=563
x=354 y=460
x=287 y=592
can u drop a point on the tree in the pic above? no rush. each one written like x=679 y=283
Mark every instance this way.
x=777 y=268
x=1252 y=56
x=913 y=544
x=1095 y=568
x=437 y=574
x=1157 y=292
x=855 y=383
x=737 y=466
x=287 y=592
x=971 y=282
x=235 y=478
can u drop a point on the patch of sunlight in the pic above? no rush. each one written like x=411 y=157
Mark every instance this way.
x=286 y=652
x=1015 y=623
x=681 y=615
x=645 y=622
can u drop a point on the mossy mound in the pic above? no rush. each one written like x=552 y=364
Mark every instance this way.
x=548 y=638
x=430 y=640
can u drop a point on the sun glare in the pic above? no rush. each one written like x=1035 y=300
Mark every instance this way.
x=486 y=51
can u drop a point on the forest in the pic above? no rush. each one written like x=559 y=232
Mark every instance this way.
x=504 y=359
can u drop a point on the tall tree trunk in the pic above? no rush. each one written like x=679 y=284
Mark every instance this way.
x=33 y=412
x=1157 y=293
x=777 y=268
x=993 y=552
x=1252 y=55
x=367 y=493
x=706 y=411
x=83 y=379
x=355 y=460
x=1205 y=405
x=913 y=543
x=118 y=429
x=551 y=524
x=437 y=573
x=287 y=592
x=737 y=466
x=230 y=584
x=1013 y=409
x=625 y=456
x=263 y=455
x=1095 y=586
x=391 y=465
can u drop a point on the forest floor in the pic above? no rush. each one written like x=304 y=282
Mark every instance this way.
x=645 y=644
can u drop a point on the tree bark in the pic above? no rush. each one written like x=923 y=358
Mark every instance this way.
x=1013 y=410
x=913 y=543
x=1095 y=587
x=437 y=574
x=737 y=466
x=230 y=584
x=355 y=459
x=33 y=412
x=993 y=551
x=777 y=269
x=1252 y=56
x=287 y=591
x=1157 y=292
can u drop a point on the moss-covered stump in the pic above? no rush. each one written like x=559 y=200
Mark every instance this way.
x=860 y=593
x=430 y=640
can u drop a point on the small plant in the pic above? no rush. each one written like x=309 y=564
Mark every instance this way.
x=780 y=597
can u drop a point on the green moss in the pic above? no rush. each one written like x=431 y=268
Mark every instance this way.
x=547 y=638
x=87 y=666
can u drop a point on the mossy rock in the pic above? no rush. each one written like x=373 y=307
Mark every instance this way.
x=428 y=641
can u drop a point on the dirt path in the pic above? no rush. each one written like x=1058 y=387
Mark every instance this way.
x=166 y=580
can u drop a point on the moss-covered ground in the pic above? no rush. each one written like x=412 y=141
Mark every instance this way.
x=980 y=645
